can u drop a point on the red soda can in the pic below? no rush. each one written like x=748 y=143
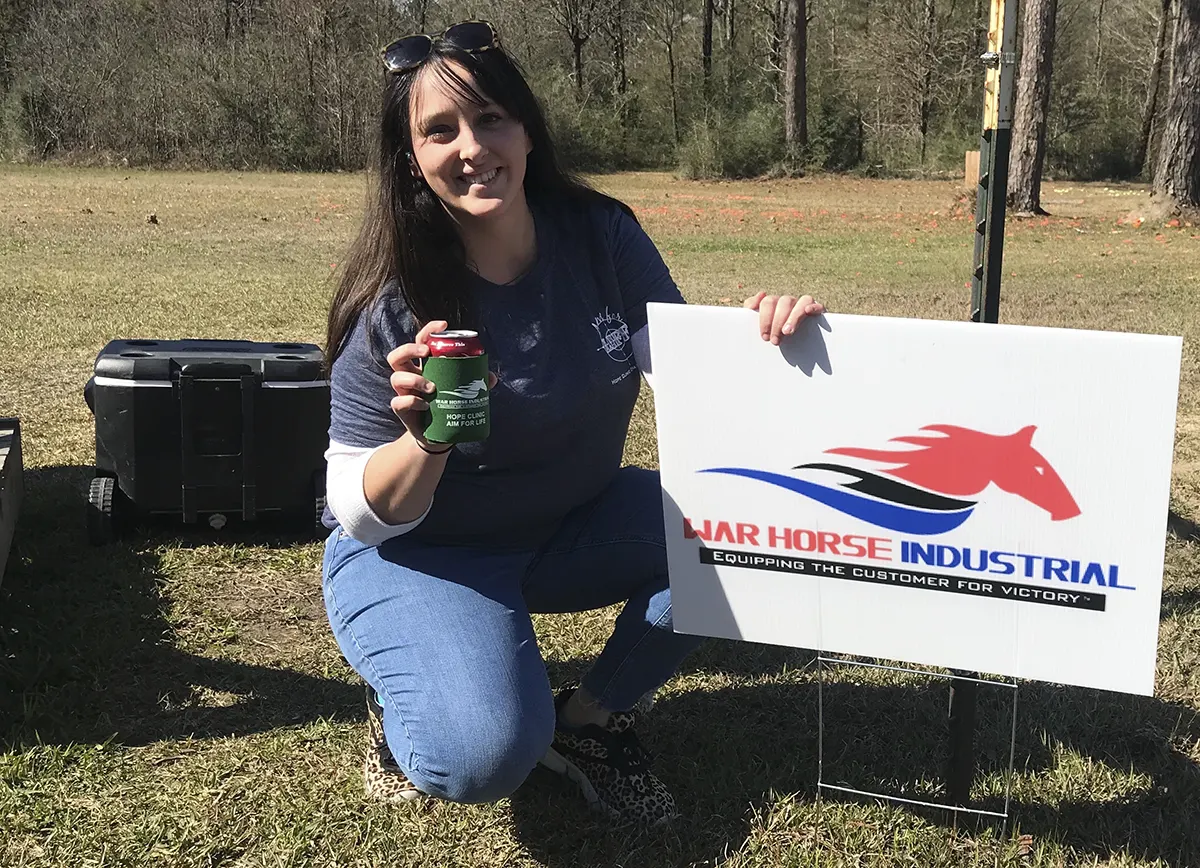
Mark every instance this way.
x=455 y=344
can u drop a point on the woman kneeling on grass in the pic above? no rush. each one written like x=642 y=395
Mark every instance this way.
x=439 y=553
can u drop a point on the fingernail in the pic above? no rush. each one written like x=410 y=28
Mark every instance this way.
x=787 y=329
x=775 y=341
x=429 y=387
x=766 y=336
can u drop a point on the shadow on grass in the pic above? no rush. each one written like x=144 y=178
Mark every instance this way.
x=1182 y=527
x=1179 y=602
x=86 y=652
x=86 y=655
x=726 y=753
x=739 y=659
x=1118 y=734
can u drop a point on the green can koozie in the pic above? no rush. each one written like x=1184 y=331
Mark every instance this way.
x=459 y=409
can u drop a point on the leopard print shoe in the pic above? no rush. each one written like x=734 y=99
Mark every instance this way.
x=382 y=775
x=611 y=768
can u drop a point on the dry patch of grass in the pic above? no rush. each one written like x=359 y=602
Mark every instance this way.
x=178 y=699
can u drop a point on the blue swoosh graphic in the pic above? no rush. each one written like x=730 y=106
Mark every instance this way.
x=902 y=519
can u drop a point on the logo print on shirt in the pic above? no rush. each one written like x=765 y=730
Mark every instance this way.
x=614 y=336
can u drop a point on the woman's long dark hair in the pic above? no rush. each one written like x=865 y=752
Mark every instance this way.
x=406 y=235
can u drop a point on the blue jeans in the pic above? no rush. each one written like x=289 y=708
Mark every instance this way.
x=443 y=635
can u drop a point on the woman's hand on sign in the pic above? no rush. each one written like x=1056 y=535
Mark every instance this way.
x=780 y=315
x=412 y=390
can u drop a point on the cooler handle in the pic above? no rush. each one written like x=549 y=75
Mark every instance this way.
x=215 y=370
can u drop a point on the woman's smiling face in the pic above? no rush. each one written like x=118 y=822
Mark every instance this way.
x=471 y=155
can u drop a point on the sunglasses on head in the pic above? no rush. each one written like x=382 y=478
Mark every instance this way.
x=411 y=51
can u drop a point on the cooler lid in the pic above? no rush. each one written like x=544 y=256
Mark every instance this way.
x=161 y=361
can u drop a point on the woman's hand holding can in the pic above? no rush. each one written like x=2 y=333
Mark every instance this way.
x=413 y=391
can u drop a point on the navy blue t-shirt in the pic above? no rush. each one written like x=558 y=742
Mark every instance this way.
x=558 y=338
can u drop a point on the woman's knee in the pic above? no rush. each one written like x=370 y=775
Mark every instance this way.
x=483 y=760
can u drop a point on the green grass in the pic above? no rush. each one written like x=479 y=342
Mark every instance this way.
x=178 y=700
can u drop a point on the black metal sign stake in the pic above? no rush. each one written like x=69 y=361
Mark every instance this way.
x=994 y=146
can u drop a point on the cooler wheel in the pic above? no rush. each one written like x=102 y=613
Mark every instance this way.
x=103 y=498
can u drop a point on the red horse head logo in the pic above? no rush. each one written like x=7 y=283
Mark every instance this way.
x=963 y=462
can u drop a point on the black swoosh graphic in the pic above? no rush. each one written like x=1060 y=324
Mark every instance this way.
x=891 y=490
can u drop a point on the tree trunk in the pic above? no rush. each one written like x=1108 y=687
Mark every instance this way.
x=1032 y=106
x=14 y=17
x=775 y=49
x=1098 y=66
x=706 y=49
x=927 y=61
x=1152 y=87
x=577 y=45
x=795 y=83
x=674 y=98
x=730 y=54
x=981 y=19
x=618 y=46
x=577 y=20
x=1177 y=176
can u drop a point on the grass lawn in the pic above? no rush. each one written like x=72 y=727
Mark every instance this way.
x=177 y=699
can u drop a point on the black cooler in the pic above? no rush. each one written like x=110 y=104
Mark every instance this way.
x=207 y=429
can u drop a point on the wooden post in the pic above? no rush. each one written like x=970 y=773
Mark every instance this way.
x=971 y=170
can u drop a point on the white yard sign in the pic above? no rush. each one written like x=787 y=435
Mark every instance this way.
x=988 y=498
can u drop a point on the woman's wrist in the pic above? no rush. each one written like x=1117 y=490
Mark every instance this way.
x=432 y=448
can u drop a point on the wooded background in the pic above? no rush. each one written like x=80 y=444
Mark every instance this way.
x=709 y=87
